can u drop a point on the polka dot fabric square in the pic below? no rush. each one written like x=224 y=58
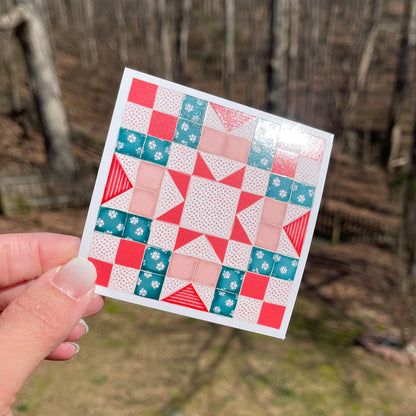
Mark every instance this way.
x=204 y=207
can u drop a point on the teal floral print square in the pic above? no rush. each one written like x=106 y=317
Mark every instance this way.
x=261 y=156
x=156 y=150
x=130 y=143
x=110 y=221
x=137 y=228
x=302 y=194
x=224 y=303
x=193 y=109
x=284 y=267
x=230 y=279
x=279 y=188
x=261 y=261
x=156 y=260
x=149 y=285
x=188 y=133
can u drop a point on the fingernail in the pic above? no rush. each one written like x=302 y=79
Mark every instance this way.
x=75 y=278
x=75 y=346
x=85 y=325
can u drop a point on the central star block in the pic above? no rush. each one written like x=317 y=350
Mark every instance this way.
x=210 y=207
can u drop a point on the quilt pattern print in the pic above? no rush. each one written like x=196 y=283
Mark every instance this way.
x=205 y=206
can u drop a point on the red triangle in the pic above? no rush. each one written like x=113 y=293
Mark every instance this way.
x=247 y=199
x=239 y=233
x=185 y=236
x=187 y=297
x=231 y=119
x=219 y=245
x=235 y=179
x=296 y=231
x=117 y=181
x=202 y=169
x=181 y=181
x=174 y=215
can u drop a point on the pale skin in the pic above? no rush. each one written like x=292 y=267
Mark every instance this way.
x=41 y=304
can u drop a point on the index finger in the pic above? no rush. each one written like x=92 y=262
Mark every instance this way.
x=26 y=256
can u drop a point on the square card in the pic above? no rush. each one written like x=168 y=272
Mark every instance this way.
x=204 y=207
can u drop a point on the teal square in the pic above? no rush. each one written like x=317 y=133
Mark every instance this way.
x=302 y=194
x=261 y=261
x=156 y=150
x=284 y=267
x=261 y=155
x=224 y=303
x=156 y=260
x=137 y=228
x=130 y=143
x=188 y=133
x=279 y=188
x=110 y=221
x=230 y=279
x=149 y=285
x=193 y=109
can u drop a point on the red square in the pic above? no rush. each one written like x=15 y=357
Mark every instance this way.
x=271 y=315
x=254 y=286
x=285 y=163
x=162 y=126
x=130 y=254
x=103 y=271
x=142 y=93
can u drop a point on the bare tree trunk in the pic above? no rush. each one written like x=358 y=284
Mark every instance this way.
x=83 y=16
x=150 y=23
x=311 y=55
x=11 y=70
x=123 y=51
x=229 y=47
x=251 y=59
x=358 y=80
x=293 y=58
x=165 y=39
x=62 y=13
x=278 y=59
x=184 y=21
x=43 y=81
x=405 y=82
x=90 y=30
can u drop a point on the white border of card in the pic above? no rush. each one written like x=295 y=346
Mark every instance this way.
x=110 y=144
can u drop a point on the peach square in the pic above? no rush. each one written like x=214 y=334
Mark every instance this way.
x=181 y=267
x=143 y=203
x=207 y=273
x=149 y=176
x=285 y=163
x=273 y=212
x=236 y=148
x=268 y=237
x=212 y=141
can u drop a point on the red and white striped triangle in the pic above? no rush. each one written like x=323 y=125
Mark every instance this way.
x=296 y=231
x=117 y=181
x=187 y=297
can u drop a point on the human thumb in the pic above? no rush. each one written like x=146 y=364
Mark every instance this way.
x=33 y=325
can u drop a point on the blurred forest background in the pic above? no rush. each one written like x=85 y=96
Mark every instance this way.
x=345 y=67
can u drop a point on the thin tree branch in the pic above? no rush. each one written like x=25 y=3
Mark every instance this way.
x=13 y=18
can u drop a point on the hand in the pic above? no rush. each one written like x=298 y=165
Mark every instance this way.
x=41 y=305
